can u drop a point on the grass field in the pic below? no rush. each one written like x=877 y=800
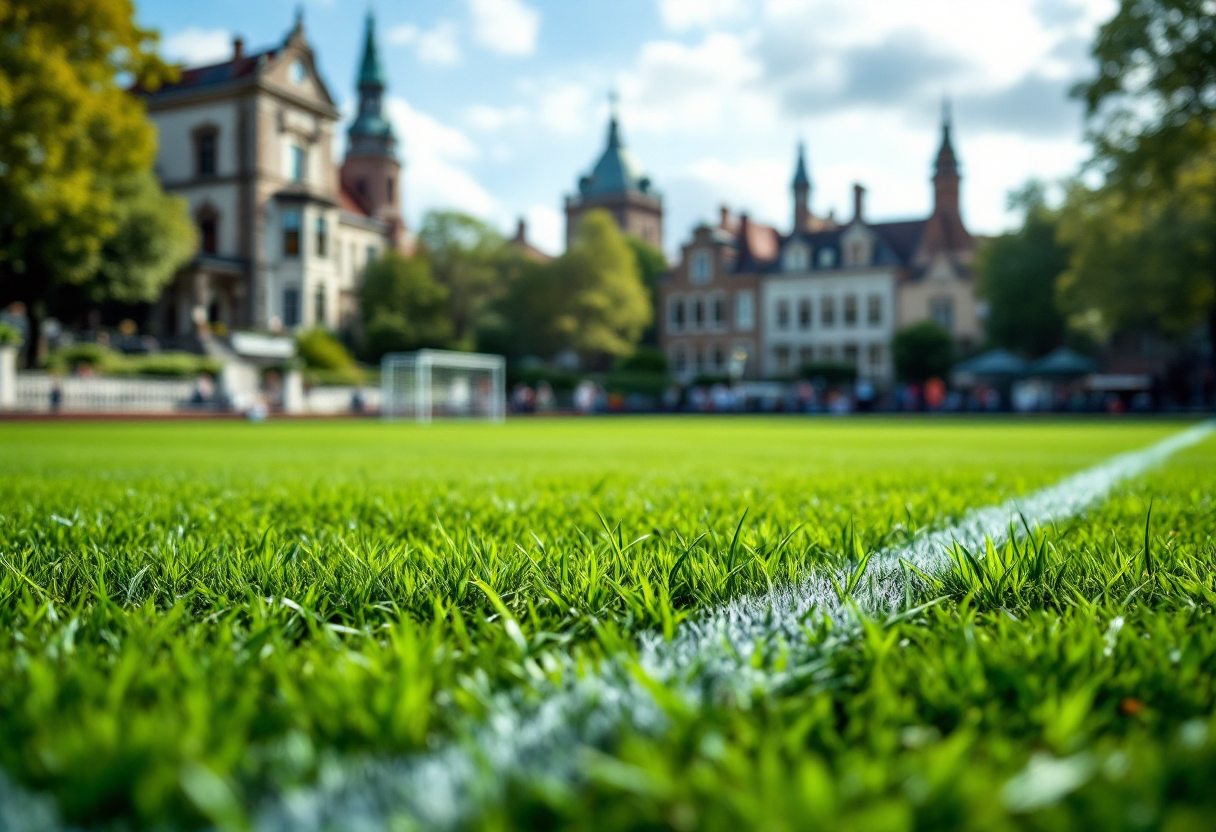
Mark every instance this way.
x=281 y=626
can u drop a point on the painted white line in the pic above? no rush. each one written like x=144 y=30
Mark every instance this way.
x=708 y=658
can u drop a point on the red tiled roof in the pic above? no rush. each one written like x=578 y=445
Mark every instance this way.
x=762 y=242
x=205 y=76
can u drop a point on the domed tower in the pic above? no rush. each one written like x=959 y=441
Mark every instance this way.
x=371 y=172
x=617 y=184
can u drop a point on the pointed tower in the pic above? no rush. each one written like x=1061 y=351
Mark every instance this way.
x=617 y=185
x=802 y=193
x=944 y=231
x=371 y=172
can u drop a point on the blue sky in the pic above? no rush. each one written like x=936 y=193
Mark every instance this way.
x=501 y=104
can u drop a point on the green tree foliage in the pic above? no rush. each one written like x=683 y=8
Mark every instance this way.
x=326 y=359
x=652 y=265
x=604 y=304
x=1142 y=258
x=71 y=138
x=1154 y=107
x=1018 y=273
x=465 y=255
x=922 y=351
x=403 y=307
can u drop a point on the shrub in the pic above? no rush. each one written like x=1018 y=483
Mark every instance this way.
x=325 y=358
x=643 y=360
x=922 y=351
x=833 y=372
x=10 y=336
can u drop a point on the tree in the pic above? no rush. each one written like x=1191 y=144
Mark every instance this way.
x=604 y=307
x=1018 y=273
x=1142 y=259
x=1153 y=106
x=465 y=256
x=403 y=307
x=70 y=139
x=922 y=351
x=652 y=265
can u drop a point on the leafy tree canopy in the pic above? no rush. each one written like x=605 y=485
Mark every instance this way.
x=922 y=351
x=1018 y=273
x=465 y=255
x=403 y=307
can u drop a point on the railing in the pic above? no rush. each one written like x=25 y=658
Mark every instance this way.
x=90 y=394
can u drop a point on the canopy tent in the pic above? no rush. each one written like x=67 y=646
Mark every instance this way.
x=992 y=364
x=1063 y=363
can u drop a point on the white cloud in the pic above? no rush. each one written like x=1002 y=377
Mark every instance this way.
x=437 y=47
x=687 y=14
x=546 y=228
x=508 y=27
x=196 y=47
x=492 y=119
x=437 y=156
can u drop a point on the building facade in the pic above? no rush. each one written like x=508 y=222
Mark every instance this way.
x=617 y=185
x=826 y=292
x=284 y=231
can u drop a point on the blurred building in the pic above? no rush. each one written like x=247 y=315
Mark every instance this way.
x=617 y=185
x=284 y=232
x=747 y=299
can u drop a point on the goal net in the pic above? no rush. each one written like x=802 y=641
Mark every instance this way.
x=442 y=384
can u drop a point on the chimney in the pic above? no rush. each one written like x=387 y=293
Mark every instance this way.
x=745 y=225
x=724 y=217
x=859 y=203
x=521 y=231
x=238 y=48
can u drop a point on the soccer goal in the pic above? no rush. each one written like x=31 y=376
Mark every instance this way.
x=442 y=384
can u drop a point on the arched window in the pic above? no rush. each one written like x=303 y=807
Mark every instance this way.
x=208 y=221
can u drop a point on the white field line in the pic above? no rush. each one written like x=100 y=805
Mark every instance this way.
x=542 y=738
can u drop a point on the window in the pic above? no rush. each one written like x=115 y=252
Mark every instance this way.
x=318 y=305
x=297 y=161
x=298 y=73
x=291 y=233
x=804 y=313
x=850 y=354
x=827 y=311
x=702 y=269
x=874 y=309
x=322 y=236
x=941 y=312
x=679 y=359
x=698 y=359
x=857 y=254
x=850 y=310
x=827 y=354
x=805 y=356
x=827 y=258
x=796 y=258
x=745 y=311
x=875 y=356
x=698 y=313
x=205 y=152
x=719 y=357
x=389 y=189
x=291 y=306
x=781 y=354
x=675 y=314
x=371 y=255
x=208 y=237
x=717 y=312
x=783 y=314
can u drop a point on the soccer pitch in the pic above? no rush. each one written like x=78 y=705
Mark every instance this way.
x=670 y=623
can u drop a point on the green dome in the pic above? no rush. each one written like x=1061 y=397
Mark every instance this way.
x=616 y=172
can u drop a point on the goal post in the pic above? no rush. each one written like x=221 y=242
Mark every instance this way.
x=443 y=384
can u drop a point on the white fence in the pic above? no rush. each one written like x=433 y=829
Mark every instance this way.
x=332 y=401
x=102 y=395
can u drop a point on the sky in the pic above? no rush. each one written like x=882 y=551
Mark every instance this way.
x=501 y=105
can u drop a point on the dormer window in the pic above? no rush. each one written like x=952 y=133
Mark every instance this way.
x=797 y=258
x=827 y=258
x=702 y=267
x=298 y=73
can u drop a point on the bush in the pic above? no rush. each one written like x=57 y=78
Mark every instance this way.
x=108 y=362
x=559 y=380
x=648 y=384
x=326 y=360
x=10 y=336
x=833 y=372
x=643 y=360
x=922 y=351
x=98 y=358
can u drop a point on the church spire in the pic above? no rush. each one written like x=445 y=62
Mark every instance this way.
x=947 y=163
x=802 y=193
x=371 y=134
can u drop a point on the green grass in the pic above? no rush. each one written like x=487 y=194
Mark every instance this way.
x=195 y=616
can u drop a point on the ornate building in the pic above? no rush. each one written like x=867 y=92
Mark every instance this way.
x=747 y=299
x=284 y=234
x=617 y=184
